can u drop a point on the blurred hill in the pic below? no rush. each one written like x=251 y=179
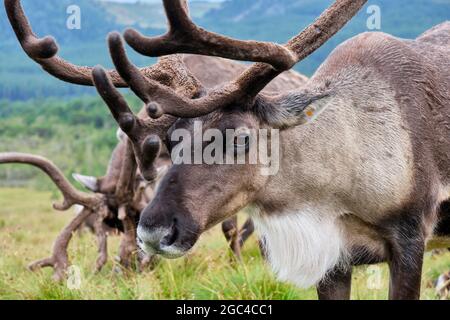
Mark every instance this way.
x=272 y=20
x=20 y=78
x=71 y=125
x=150 y=14
x=78 y=134
x=279 y=20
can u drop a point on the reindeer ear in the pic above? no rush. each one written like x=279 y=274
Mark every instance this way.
x=90 y=183
x=293 y=108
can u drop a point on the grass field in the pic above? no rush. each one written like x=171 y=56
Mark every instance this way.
x=28 y=227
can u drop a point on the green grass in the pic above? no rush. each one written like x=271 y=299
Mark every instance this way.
x=28 y=227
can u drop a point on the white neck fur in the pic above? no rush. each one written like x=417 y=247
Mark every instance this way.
x=302 y=246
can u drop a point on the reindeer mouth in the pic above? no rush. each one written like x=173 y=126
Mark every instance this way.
x=171 y=245
x=168 y=252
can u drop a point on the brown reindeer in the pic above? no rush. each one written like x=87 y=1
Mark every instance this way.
x=364 y=149
x=102 y=213
x=211 y=71
x=168 y=71
x=143 y=192
x=116 y=196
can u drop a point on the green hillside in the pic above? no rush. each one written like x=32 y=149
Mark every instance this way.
x=278 y=20
x=21 y=78
x=273 y=20
x=78 y=135
x=151 y=15
x=71 y=125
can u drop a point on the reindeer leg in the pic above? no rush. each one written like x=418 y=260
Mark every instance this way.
x=262 y=248
x=407 y=248
x=102 y=240
x=246 y=232
x=406 y=271
x=231 y=232
x=128 y=245
x=337 y=285
x=59 y=260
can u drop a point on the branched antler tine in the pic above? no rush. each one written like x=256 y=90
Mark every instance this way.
x=59 y=260
x=44 y=51
x=114 y=100
x=185 y=37
x=169 y=102
x=71 y=195
x=145 y=88
x=243 y=90
x=150 y=91
x=327 y=25
x=35 y=48
x=128 y=71
x=333 y=19
x=146 y=146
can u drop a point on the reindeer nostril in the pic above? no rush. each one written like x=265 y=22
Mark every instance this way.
x=170 y=238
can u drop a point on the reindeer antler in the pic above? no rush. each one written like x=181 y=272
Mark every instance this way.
x=145 y=134
x=169 y=71
x=185 y=37
x=44 y=52
x=59 y=259
x=71 y=195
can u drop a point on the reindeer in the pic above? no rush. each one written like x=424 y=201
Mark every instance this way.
x=212 y=72
x=143 y=192
x=106 y=185
x=116 y=202
x=364 y=148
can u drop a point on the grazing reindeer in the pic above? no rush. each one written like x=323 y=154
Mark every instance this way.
x=143 y=194
x=365 y=149
x=115 y=188
x=169 y=71
x=59 y=260
x=106 y=185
